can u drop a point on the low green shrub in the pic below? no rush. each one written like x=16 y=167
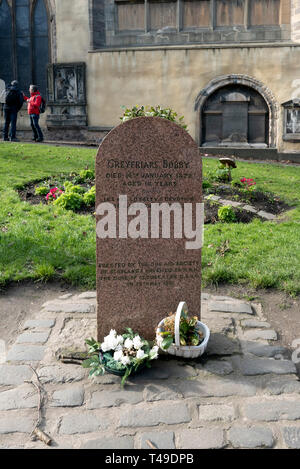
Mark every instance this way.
x=90 y=196
x=71 y=188
x=70 y=201
x=41 y=190
x=87 y=174
x=206 y=185
x=152 y=111
x=83 y=176
x=226 y=214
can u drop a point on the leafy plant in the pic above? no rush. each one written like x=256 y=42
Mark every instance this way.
x=69 y=201
x=226 y=214
x=41 y=190
x=123 y=354
x=84 y=175
x=54 y=194
x=221 y=173
x=248 y=184
x=189 y=334
x=71 y=188
x=89 y=197
x=206 y=185
x=152 y=111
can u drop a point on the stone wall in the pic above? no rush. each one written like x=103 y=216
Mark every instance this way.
x=295 y=20
x=72 y=30
x=174 y=76
x=139 y=23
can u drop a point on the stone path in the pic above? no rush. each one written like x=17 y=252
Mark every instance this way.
x=244 y=393
x=242 y=206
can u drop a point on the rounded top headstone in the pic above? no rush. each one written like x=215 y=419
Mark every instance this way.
x=143 y=272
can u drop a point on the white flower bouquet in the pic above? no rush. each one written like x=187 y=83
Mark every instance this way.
x=123 y=355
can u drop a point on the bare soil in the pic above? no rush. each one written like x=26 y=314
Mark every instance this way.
x=260 y=200
x=27 y=193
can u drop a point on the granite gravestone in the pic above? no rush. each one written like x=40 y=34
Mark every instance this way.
x=148 y=257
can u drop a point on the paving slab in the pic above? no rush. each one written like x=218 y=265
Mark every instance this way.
x=218 y=367
x=250 y=366
x=114 y=398
x=18 y=424
x=251 y=437
x=256 y=334
x=273 y=410
x=202 y=438
x=215 y=412
x=59 y=374
x=110 y=442
x=14 y=374
x=149 y=415
x=64 y=307
x=83 y=422
x=33 y=338
x=263 y=350
x=22 y=397
x=25 y=352
x=230 y=307
x=291 y=436
x=221 y=345
x=249 y=208
x=39 y=323
x=243 y=393
x=282 y=385
x=161 y=440
x=72 y=396
x=266 y=215
x=88 y=295
x=255 y=323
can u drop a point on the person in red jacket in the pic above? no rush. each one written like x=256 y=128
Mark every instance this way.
x=34 y=103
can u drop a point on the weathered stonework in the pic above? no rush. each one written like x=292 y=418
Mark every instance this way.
x=219 y=401
x=251 y=82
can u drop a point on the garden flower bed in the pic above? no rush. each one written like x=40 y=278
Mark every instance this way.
x=259 y=200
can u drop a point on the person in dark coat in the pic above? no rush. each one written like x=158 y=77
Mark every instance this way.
x=13 y=103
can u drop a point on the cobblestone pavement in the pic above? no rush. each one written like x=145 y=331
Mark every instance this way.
x=243 y=393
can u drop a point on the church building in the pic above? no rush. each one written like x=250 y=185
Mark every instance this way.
x=230 y=67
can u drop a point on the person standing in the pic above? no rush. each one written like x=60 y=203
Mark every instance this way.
x=13 y=103
x=34 y=103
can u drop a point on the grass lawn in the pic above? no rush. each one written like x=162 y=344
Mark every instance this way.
x=45 y=242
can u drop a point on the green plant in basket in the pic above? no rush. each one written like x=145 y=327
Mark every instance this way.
x=123 y=355
x=189 y=334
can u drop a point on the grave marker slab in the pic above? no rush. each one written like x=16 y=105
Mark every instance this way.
x=148 y=161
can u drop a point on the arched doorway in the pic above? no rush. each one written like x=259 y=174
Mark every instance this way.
x=235 y=115
x=236 y=111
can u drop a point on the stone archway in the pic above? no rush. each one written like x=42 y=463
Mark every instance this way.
x=243 y=80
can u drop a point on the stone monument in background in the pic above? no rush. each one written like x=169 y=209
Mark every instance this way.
x=66 y=96
x=147 y=264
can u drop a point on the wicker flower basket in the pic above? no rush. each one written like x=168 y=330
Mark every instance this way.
x=178 y=350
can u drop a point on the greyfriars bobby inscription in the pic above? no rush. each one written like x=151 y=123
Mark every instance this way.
x=149 y=216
